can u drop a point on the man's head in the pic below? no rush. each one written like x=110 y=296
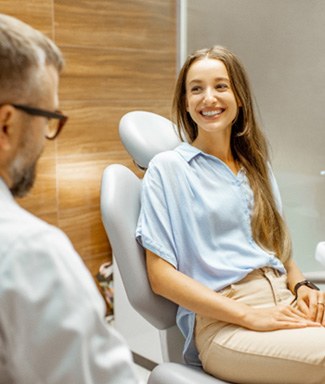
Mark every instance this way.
x=30 y=64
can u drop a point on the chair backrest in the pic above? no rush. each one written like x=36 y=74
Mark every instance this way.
x=120 y=206
x=144 y=134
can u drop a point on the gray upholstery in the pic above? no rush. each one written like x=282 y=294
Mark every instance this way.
x=144 y=134
x=318 y=277
x=171 y=373
x=120 y=204
x=143 y=141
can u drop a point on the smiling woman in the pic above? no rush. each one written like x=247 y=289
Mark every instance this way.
x=219 y=247
x=237 y=140
x=279 y=46
x=213 y=107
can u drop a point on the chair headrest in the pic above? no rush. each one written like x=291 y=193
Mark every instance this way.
x=145 y=134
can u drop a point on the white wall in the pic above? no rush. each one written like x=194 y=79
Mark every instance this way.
x=282 y=45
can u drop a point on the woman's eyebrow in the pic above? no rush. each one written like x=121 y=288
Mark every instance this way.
x=216 y=79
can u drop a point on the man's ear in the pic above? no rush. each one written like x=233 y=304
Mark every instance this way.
x=6 y=121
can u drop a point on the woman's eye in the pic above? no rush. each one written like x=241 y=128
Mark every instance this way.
x=222 y=86
x=195 y=89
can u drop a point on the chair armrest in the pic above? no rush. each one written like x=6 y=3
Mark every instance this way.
x=173 y=373
x=317 y=277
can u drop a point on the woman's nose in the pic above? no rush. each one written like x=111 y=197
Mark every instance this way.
x=209 y=95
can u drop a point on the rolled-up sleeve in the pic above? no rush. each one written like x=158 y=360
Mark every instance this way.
x=155 y=228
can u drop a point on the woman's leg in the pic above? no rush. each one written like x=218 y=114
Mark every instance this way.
x=280 y=357
x=239 y=355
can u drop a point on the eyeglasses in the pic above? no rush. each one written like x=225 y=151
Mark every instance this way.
x=54 y=126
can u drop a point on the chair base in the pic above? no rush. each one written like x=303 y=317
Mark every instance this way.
x=181 y=374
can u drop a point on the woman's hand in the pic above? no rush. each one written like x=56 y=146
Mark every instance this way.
x=309 y=301
x=168 y=282
x=312 y=304
x=278 y=317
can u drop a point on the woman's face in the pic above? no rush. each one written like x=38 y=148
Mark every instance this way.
x=210 y=99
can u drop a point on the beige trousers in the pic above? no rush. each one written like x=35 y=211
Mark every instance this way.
x=239 y=355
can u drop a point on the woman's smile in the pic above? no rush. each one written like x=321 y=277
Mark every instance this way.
x=210 y=99
x=212 y=113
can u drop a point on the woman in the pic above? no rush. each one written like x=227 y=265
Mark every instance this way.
x=216 y=242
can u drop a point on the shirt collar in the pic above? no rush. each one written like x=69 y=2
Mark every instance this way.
x=187 y=151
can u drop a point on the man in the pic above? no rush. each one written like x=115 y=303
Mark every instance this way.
x=52 y=324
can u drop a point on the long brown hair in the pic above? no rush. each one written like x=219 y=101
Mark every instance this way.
x=248 y=145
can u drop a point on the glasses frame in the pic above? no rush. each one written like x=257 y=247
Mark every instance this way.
x=44 y=113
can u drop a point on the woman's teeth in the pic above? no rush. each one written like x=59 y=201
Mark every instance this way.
x=211 y=113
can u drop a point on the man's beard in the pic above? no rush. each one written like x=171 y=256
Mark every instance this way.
x=23 y=180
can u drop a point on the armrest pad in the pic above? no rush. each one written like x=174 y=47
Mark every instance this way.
x=317 y=277
x=172 y=373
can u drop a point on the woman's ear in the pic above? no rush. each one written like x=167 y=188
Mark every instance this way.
x=239 y=103
x=186 y=103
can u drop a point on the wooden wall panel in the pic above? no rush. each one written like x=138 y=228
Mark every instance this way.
x=43 y=200
x=98 y=74
x=38 y=13
x=136 y=24
x=93 y=125
x=120 y=56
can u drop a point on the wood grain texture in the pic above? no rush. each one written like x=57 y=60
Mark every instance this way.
x=79 y=178
x=129 y=24
x=42 y=200
x=93 y=126
x=37 y=13
x=96 y=74
x=120 y=56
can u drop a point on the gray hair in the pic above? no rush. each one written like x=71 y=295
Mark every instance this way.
x=24 y=52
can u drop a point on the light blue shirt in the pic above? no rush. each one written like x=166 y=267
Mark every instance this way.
x=196 y=215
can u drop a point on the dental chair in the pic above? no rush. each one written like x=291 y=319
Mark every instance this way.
x=145 y=134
